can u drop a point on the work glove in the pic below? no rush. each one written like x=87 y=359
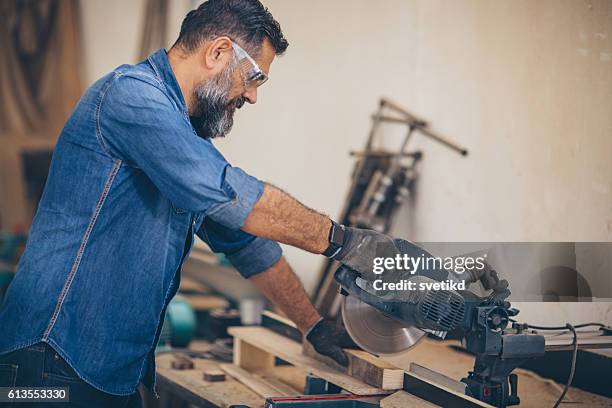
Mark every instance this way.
x=361 y=246
x=489 y=279
x=329 y=339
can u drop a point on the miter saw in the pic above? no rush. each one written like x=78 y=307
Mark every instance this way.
x=385 y=323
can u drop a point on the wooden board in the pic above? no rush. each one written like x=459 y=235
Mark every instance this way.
x=256 y=382
x=292 y=376
x=189 y=285
x=374 y=370
x=364 y=366
x=401 y=399
x=291 y=351
x=206 y=302
x=251 y=357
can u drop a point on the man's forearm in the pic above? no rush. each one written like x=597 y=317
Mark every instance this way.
x=279 y=217
x=282 y=286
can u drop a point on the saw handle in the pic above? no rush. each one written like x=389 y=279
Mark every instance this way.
x=347 y=278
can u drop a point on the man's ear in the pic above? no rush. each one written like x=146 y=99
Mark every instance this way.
x=217 y=53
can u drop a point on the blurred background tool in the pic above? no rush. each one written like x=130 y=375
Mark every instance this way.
x=381 y=182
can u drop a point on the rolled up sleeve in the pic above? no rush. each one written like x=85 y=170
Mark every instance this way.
x=139 y=124
x=245 y=190
x=247 y=253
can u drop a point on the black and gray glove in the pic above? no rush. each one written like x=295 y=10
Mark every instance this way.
x=489 y=279
x=329 y=339
x=361 y=246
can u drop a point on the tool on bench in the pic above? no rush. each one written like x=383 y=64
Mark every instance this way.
x=384 y=324
x=179 y=325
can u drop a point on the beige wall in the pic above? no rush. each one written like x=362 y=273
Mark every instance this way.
x=525 y=85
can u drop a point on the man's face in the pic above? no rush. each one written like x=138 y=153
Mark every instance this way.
x=217 y=98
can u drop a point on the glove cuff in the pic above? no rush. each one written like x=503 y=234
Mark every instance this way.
x=312 y=328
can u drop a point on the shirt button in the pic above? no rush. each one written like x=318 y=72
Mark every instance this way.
x=56 y=356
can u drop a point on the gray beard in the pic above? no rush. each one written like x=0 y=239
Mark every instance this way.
x=214 y=112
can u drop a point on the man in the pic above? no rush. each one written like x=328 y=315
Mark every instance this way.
x=134 y=176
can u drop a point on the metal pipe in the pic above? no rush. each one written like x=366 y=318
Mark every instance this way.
x=440 y=139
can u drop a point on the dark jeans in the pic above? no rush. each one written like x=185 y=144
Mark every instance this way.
x=40 y=366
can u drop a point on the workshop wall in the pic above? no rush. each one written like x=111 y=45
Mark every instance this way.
x=526 y=86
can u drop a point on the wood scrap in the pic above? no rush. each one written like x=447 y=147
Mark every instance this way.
x=365 y=366
x=181 y=362
x=373 y=370
x=213 y=375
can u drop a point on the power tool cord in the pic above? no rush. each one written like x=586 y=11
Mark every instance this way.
x=573 y=369
x=571 y=328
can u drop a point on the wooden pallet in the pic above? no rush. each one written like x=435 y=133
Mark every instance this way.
x=258 y=347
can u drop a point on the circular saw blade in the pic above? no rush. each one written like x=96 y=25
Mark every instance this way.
x=376 y=332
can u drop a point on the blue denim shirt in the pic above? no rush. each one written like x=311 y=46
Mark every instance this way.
x=130 y=183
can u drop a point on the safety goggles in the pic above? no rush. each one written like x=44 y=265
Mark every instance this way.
x=251 y=74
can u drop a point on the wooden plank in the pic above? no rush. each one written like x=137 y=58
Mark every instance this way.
x=294 y=377
x=206 y=302
x=373 y=370
x=364 y=366
x=401 y=399
x=251 y=357
x=276 y=383
x=291 y=352
x=253 y=381
x=189 y=285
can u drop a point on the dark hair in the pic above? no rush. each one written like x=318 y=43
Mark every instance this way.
x=247 y=21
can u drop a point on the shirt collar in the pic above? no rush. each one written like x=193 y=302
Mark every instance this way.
x=163 y=70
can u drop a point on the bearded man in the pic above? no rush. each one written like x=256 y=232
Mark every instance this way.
x=134 y=176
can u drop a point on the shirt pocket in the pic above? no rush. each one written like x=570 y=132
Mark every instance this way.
x=8 y=375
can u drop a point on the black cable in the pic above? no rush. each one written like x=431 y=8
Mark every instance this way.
x=573 y=369
x=571 y=328
x=578 y=326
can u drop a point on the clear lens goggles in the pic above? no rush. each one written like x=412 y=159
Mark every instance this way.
x=252 y=75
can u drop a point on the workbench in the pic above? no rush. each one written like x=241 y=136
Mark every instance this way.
x=190 y=386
